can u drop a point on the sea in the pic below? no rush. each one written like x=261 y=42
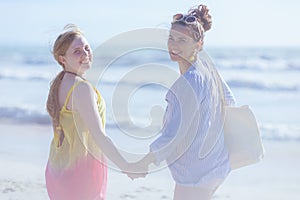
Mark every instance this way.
x=265 y=78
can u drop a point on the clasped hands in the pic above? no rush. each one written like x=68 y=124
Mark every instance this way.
x=139 y=169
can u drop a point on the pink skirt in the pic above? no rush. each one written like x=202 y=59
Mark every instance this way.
x=86 y=179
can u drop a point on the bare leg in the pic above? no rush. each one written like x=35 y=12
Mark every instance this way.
x=204 y=192
x=192 y=193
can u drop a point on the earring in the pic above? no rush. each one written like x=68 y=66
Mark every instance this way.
x=193 y=57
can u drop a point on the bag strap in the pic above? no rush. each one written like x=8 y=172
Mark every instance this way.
x=220 y=86
x=70 y=92
x=218 y=78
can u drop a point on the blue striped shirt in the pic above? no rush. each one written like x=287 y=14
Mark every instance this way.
x=186 y=123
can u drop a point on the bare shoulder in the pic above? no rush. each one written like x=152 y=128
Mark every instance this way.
x=84 y=86
x=84 y=90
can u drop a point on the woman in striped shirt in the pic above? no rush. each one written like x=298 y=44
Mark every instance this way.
x=192 y=140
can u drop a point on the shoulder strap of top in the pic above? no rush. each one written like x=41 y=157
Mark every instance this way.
x=98 y=95
x=69 y=94
x=72 y=89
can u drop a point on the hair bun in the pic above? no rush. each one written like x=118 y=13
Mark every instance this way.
x=201 y=13
x=72 y=28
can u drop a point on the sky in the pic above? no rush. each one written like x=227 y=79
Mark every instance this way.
x=235 y=22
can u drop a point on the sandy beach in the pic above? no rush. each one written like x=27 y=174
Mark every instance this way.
x=24 y=152
x=257 y=53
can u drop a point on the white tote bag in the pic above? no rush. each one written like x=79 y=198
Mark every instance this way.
x=241 y=133
x=242 y=137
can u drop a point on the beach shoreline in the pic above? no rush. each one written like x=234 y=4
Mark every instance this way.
x=24 y=151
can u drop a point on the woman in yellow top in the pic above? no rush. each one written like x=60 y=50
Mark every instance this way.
x=76 y=168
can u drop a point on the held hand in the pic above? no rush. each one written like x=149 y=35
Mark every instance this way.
x=136 y=170
x=140 y=168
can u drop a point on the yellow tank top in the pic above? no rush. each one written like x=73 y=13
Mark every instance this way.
x=77 y=142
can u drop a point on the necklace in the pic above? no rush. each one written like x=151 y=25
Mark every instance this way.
x=75 y=74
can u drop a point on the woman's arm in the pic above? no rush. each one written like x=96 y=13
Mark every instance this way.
x=228 y=95
x=160 y=148
x=182 y=118
x=85 y=103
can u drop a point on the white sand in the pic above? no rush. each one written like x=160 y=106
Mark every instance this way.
x=24 y=152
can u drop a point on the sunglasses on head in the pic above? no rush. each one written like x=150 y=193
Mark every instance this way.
x=188 y=19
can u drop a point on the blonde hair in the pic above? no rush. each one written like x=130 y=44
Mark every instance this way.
x=61 y=45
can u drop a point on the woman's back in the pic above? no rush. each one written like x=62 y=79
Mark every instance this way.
x=72 y=170
x=66 y=84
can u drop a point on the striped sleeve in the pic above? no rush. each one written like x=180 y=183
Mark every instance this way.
x=172 y=119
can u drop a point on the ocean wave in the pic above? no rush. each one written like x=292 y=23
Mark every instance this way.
x=269 y=131
x=24 y=78
x=256 y=85
x=27 y=74
x=233 y=83
x=294 y=66
x=258 y=64
x=27 y=116
x=22 y=115
x=280 y=132
x=243 y=58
